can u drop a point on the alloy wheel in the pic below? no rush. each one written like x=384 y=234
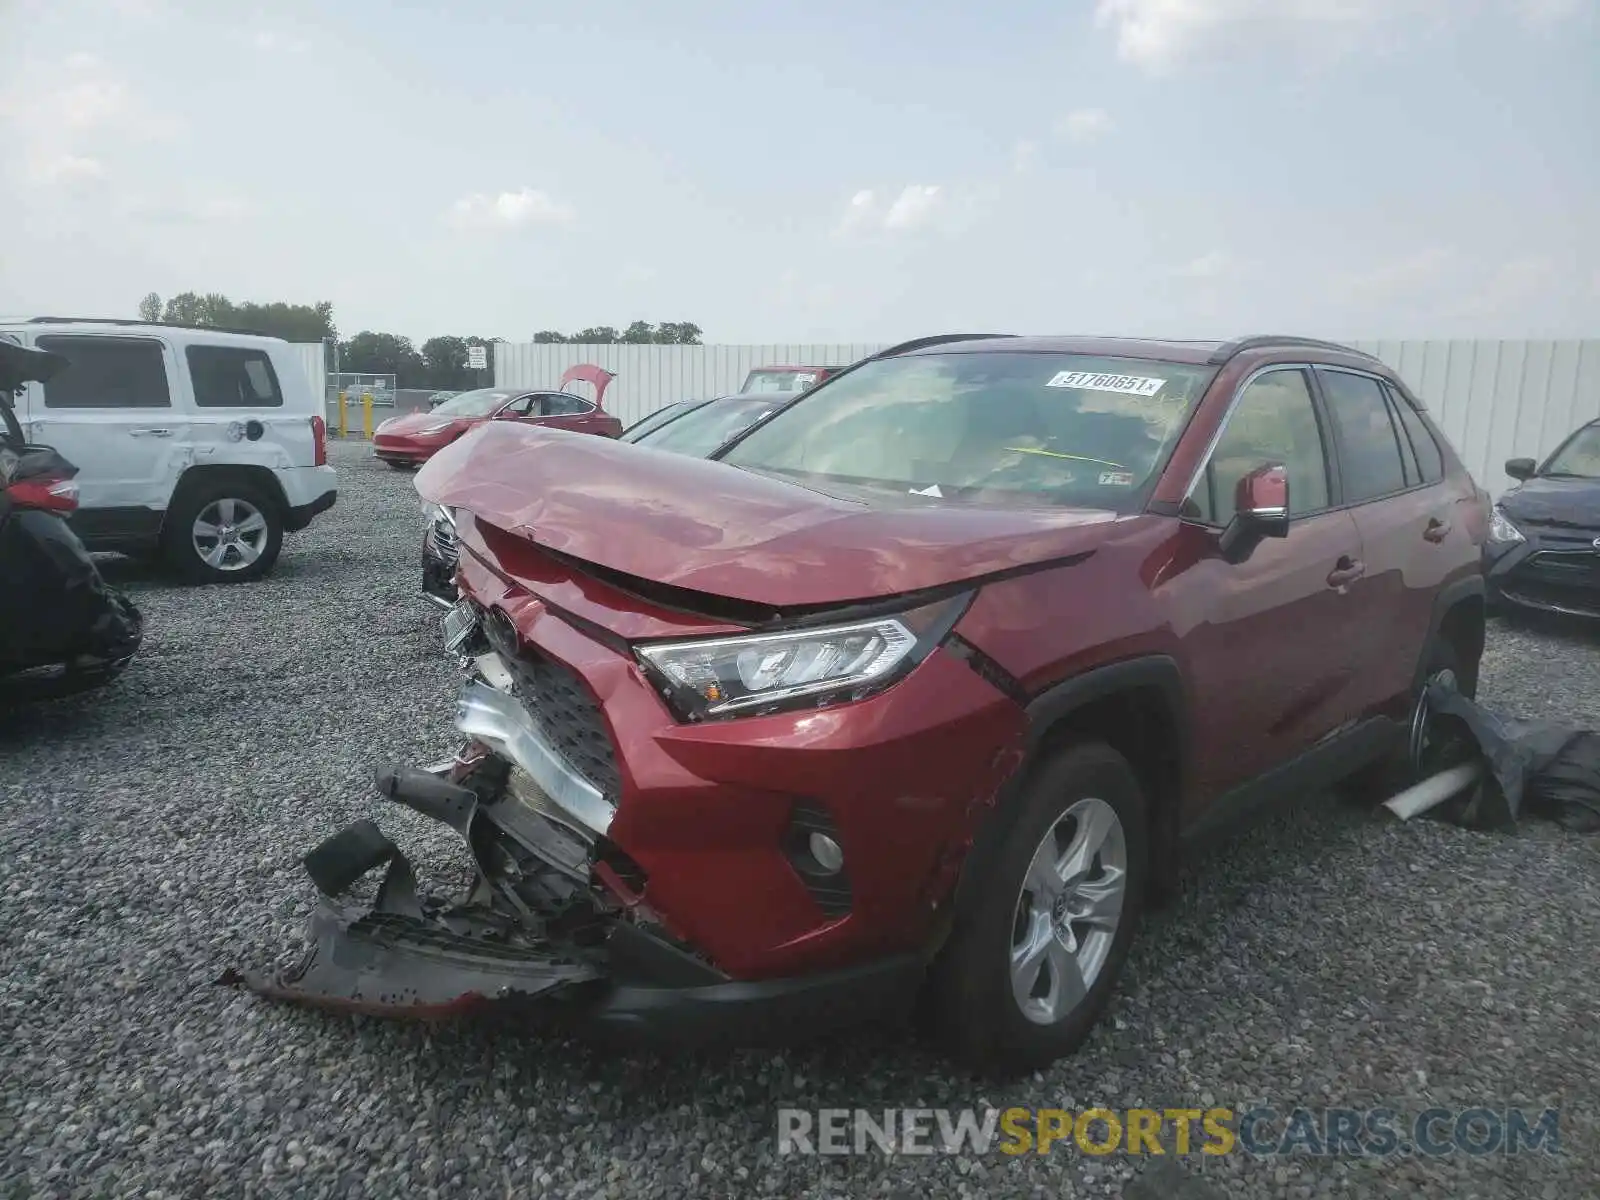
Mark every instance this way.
x=1068 y=910
x=229 y=534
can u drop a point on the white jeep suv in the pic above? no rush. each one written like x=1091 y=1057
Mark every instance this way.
x=198 y=444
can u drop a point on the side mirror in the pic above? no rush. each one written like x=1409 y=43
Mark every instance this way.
x=1260 y=510
x=1521 y=468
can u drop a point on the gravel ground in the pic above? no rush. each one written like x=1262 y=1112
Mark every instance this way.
x=149 y=838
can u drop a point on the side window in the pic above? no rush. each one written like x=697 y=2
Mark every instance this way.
x=1370 y=463
x=107 y=372
x=1274 y=421
x=232 y=377
x=559 y=404
x=523 y=406
x=1429 y=458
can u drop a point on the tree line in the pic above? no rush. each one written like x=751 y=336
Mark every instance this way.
x=438 y=363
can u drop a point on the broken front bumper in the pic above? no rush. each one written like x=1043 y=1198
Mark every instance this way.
x=550 y=920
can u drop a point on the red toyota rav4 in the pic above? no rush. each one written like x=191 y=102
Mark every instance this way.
x=919 y=691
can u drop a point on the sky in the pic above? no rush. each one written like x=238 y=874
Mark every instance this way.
x=813 y=172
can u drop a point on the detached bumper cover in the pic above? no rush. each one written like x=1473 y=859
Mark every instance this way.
x=403 y=955
x=409 y=955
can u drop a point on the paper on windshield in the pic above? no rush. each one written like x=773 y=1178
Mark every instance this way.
x=1094 y=381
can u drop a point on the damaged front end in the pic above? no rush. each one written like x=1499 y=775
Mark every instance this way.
x=554 y=918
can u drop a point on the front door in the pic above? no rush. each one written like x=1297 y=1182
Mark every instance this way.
x=1271 y=640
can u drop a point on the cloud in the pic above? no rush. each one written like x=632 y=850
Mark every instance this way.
x=1024 y=156
x=508 y=210
x=913 y=208
x=1159 y=34
x=65 y=169
x=1084 y=124
x=1217 y=264
x=270 y=42
x=915 y=204
x=1418 y=271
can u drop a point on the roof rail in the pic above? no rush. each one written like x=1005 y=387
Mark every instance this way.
x=155 y=324
x=937 y=339
x=1268 y=340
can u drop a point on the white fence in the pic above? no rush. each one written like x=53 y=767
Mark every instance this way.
x=652 y=377
x=1494 y=399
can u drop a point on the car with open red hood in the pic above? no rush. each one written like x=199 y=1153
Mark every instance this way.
x=408 y=441
x=916 y=689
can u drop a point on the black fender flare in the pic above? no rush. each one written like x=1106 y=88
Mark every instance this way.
x=1046 y=711
x=1451 y=596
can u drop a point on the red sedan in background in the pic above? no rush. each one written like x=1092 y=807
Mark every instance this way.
x=409 y=441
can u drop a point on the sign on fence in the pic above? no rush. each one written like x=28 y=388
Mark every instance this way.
x=477 y=358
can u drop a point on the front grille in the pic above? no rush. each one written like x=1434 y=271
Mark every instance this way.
x=442 y=542
x=1558 y=536
x=566 y=712
x=1563 y=568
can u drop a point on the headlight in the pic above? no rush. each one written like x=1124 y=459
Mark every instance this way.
x=797 y=668
x=430 y=429
x=1501 y=529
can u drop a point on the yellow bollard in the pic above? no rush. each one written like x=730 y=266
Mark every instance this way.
x=344 y=418
x=366 y=415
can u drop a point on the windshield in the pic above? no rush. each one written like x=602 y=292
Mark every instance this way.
x=796 y=380
x=702 y=431
x=473 y=404
x=1579 y=457
x=647 y=425
x=992 y=427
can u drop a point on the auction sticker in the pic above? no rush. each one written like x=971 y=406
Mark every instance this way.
x=1116 y=478
x=1090 y=381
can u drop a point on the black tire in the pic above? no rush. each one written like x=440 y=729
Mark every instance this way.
x=1393 y=773
x=178 y=541
x=975 y=1010
x=400 y=466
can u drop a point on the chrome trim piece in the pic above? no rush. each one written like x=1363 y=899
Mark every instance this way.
x=497 y=720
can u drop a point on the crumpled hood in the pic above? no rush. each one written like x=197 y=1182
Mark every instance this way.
x=415 y=422
x=697 y=524
x=1570 y=501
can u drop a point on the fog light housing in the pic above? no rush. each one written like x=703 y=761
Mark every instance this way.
x=828 y=853
x=814 y=850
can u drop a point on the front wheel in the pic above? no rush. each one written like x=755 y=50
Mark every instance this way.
x=1039 y=942
x=225 y=531
x=400 y=466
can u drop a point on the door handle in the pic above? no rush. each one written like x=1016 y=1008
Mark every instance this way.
x=151 y=432
x=1346 y=571
x=1436 y=531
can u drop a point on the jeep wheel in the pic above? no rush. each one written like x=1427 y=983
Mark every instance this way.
x=223 y=532
x=1040 y=940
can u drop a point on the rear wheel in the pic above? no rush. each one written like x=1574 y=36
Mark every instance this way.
x=1397 y=770
x=223 y=531
x=400 y=466
x=1039 y=942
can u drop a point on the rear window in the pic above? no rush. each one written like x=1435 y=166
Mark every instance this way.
x=779 y=381
x=998 y=427
x=107 y=372
x=232 y=377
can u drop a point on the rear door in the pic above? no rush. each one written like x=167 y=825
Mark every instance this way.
x=1410 y=541
x=112 y=411
x=250 y=406
x=1271 y=639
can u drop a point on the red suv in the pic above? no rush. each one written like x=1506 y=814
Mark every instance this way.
x=919 y=688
